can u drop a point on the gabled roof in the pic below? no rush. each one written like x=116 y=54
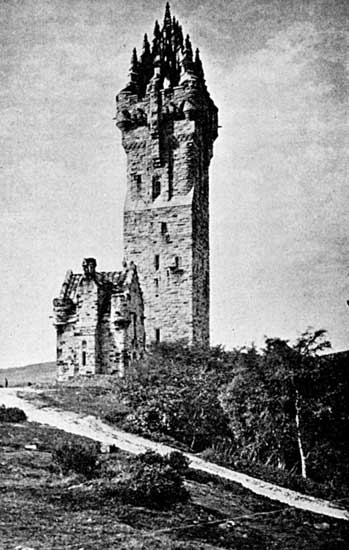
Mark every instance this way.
x=111 y=281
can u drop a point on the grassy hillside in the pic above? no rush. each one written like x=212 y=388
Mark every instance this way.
x=41 y=509
x=41 y=373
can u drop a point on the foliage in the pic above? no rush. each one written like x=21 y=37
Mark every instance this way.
x=178 y=462
x=154 y=480
x=175 y=385
x=12 y=414
x=76 y=456
x=225 y=454
x=283 y=404
x=243 y=404
x=115 y=416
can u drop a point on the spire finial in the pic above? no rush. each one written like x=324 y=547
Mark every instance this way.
x=146 y=45
x=198 y=64
x=134 y=69
x=156 y=28
x=188 y=47
x=167 y=18
x=134 y=60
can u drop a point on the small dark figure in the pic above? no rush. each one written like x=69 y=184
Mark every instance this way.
x=6 y=383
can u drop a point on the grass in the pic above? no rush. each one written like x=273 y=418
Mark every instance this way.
x=99 y=400
x=42 y=510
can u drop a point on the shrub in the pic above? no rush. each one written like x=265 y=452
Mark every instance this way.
x=12 y=414
x=178 y=462
x=175 y=460
x=80 y=458
x=154 y=480
x=115 y=416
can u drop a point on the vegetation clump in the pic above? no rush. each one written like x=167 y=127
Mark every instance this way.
x=174 y=394
x=282 y=410
x=12 y=414
x=280 y=413
x=76 y=457
x=153 y=480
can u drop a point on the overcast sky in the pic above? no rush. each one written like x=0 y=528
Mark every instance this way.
x=279 y=199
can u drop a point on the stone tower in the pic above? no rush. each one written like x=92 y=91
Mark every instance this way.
x=169 y=123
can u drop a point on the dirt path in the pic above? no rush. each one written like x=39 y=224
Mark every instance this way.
x=92 y=427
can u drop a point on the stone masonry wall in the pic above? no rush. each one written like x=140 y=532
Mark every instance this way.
x=167 y=288
x=100 y=330
x=78 y=337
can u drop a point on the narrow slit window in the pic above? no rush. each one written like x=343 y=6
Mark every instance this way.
x=170 y=178
x=164 y=229
x=156 y=187
x=207 y=285
x=156 y=285
x=157 y=335
x=138 y=178
x=83 y=353
x=177 y=262
x=134 y=319
x=157 y=262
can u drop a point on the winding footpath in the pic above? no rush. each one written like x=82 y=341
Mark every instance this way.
x=93 y=428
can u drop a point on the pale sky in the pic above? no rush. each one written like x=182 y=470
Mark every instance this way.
x=278 y=191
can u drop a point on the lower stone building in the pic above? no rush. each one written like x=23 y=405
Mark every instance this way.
x=99 y=321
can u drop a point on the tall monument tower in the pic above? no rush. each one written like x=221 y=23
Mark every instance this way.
x=169 y=123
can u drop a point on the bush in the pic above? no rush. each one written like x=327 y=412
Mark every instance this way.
x=224 y=454
x=178 y=462
x=154 y=480
x=12 y=414
x=115 y=416
x=80 y=458
x=174 y=393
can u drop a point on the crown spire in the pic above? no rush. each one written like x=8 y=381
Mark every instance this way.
x=168 y=55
